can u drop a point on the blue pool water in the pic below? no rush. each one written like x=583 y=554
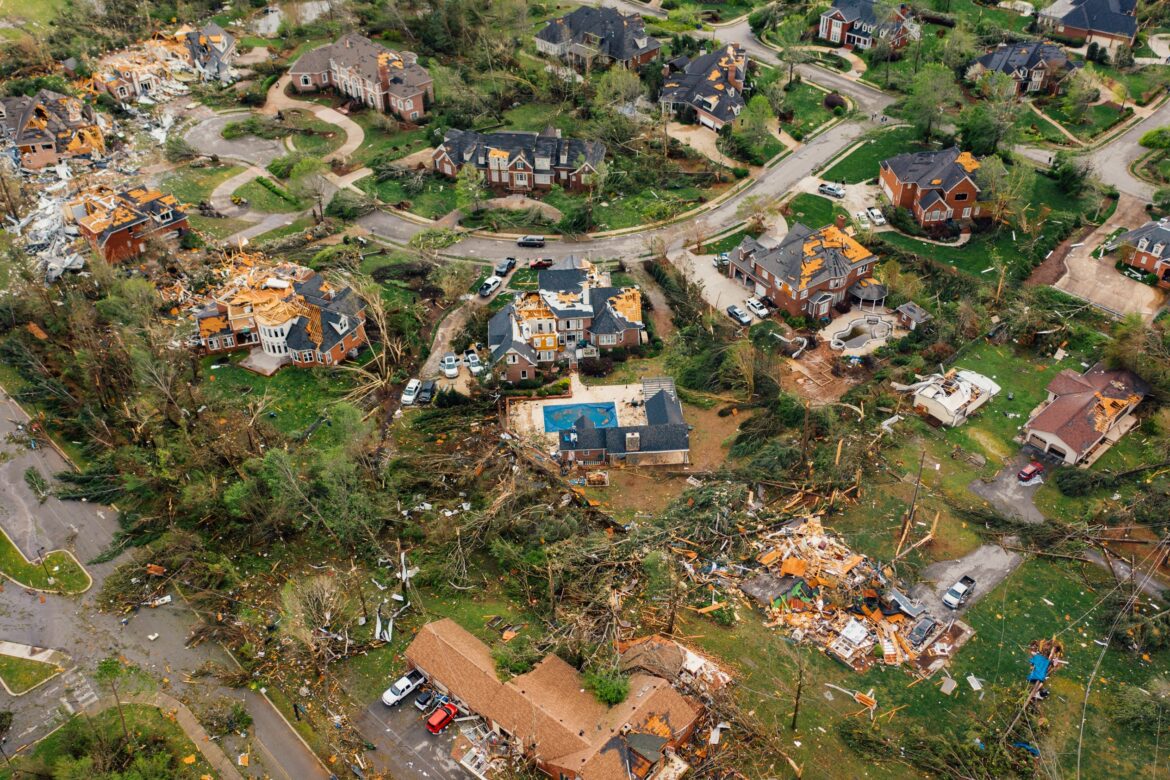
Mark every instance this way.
x=562 y=417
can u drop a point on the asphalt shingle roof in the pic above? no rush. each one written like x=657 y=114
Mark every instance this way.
x=1115 y=17
x=469 y=146
x=1155 y=233
x=1012 y=58
x=619 y=37
x=360 y=53
x=706 y=79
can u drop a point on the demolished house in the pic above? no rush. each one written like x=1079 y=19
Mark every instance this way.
x=119 y=225
x=952 y=397
x=41 y=130
x=210 y=50
x=548 y=716
x=154 y=70
x=823 y=592
x=664 y=657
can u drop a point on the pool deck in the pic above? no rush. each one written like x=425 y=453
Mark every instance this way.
x=842 y=321
x=526 y=418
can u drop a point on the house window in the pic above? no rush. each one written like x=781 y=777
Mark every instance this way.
x=521 y=179
x=410 y=104
x=228 y=341
x=967 y=212
x=213 y=343
x=414 y=115
x=306 y=81
x=524 y=373
x=960 y=196
x=511 y=360
x=607 y=339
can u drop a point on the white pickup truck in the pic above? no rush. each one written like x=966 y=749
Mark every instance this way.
x=406 y=684
x=959 y=592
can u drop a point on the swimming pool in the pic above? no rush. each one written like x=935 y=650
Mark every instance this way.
x=562 y=417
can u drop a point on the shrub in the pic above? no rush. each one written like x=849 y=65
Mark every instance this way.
x=276 y=189
x=596 y=367
x=834 y=100
x=610 y=687
x=1158 y=138
x=281 y=167
x=1078 y=482
x=349 y=205
x=191 y=240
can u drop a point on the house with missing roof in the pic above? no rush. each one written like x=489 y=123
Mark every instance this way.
x=950 y=398
x=285 y=313
x=521 y=161
x=42 y=130
x=855 y=24
x=1108 y=23
x=1085 y=414
x=211 y=49
x=575 y=312
x=937 y=187
x=1147 y=249
x=548 y=715
x=661 y=438
x=808 y=272
x=598 y=36
x=118 y=225
x=1035 y=66
x=709 y=87
x=390 y=81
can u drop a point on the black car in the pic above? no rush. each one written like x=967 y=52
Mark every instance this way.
x=426 y=393
x=530 y=241
x=505 y=266
x=922 y=629
x=424 y=700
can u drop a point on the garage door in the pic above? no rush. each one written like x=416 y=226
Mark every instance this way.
x=707 y=122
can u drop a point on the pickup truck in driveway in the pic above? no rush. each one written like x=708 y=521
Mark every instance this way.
x=959 y=592
x=398 y=692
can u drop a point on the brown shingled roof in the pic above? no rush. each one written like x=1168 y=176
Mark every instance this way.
x=1086 y=405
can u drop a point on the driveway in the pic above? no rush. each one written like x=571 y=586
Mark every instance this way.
x=1008 y=495
x=405 y=749
x=1098 y=281
x=207 y=138
x=989 y=565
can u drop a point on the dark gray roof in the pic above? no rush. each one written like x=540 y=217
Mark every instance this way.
x=501 y=337
x=298 y=339
x=1115 y=17
x=663 y=408
x=864 y=14
x=1017 y=59
x=62 y=116
x=786 y=261
x=651 y=438
x=470 y=146
x=913 y=312
x=561 y=280
x=929 y=170
x=607 y=321
x=212 y=56
x=1156 y=234
x=694 y=85
x=610 y=32
x=359 y=52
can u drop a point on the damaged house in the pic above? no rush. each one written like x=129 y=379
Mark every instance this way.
x=521 y=162
x=1085 y=414
x=548 y=716
x=936 y=187
x=952 y=397
x=598 y=36
x=42 y=130
x=573 y=313
x=659 y=437
x=709 y=87
x=119 y=225
x=286 y=314
x=390 y=81
x=211 y=51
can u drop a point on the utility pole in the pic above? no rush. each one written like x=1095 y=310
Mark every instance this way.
x=910 y=510
x=799 y=693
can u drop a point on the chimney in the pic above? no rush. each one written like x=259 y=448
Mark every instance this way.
x=841 y=221
x=384 y=70
x=633 y=441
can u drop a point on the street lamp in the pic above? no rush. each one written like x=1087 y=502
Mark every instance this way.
x=41 y=555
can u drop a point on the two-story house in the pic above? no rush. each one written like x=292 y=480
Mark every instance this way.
x=42 y=129
x=288 y=312
x=937 y=187
x=1109 y=23
x=211 y=50
x=808 y=272
x=1035 y=66
x=710 y=86
x=598 y=36
x=391 y=82
x=118 y=225
x=575 y=311
x=1147 y=249
x=855 y=24
x=521 y=162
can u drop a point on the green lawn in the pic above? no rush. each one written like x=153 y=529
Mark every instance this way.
x=809 y=112
x=379 y=144
x=862 y=163
x=538 y=116
x=21 y=675
x=524 y=279
x=264 y=200
x=1142 y=84
x=68 y=575
x=314 y=136
x=38 y=12
x=975 y=13
x=508 y=221
x=1096 y=120
x=217 y=228
x=194 y=185
x=296 y=226
x=1039 y=129
x=727 y=243
x=812 y=211
x=436 y=200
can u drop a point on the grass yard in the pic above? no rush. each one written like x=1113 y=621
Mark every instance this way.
x=315 y=137
x=194 y=185
x=1142 y=84
x=538 y=116
x=862 y=163
x=21 y=675
x=387 y=146
x=37 y=12
x=68 y=575
x=976 y=13
x=436 y=200
x=1037 y=128
x=727 y=243
x=217 y=228
x=1096 y=120
x=265 y=201
x=524 y=279
x=296 y=226
x=814 y=211
x=636 y=208
x=808 y=106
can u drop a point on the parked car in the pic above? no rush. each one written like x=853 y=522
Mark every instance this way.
x=450 y=365
x=426 y=393
x=442 y=718
x=922 y=629
x=876 y=215
x=862 y=219
x=539 y=263
x=721 y=260
x=474 y=365
x=410 y=392
x=530 y=241
x=756 y=308
x=739 y=315
x=832 y=190
x=1031 y=471
x=489 y=286
x=959 y=592
x=505 y=266
x=405 y=685
x=423 y=700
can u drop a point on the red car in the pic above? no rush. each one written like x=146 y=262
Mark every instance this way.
x=540 y=262
x=1030 y=472
x=441 y=718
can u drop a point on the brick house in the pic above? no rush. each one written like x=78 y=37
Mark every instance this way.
x=118 y=225
x=601 y=36
x=1085 y=414
x=287 y=311
x=519 y=161
x=41 y=130
x=573 y=312
x=549 y=715
x=1109 y=23
x=711 y=85
x=663 y=439
x=937 y=187
x=1148 y=250
x=391 y=82
x=854 y=24
x=1035 y=66
x=808 y=272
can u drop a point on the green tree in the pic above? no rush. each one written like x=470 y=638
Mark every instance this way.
x=990 y=124
x=960 y=47
x=469 y=189
x=1079 y=94
x=932 y=92
x=753 y=121
x=110 y=671
x=616 y=87
x=1007 y=190
x=792 y=53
